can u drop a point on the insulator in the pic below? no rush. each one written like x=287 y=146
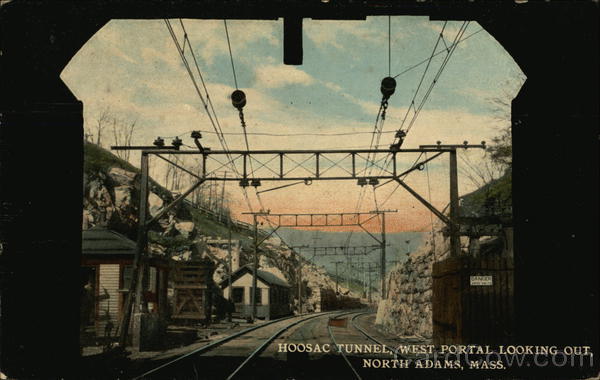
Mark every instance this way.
x=400 y=134
x=255 y=182
x=238 y=99
x=177 y=142
x=362 y=181
x=465 y=142
x=196 y=135
x=439 y=143
x=388 y=86
x=244 y=183
x=395 y=147
x=421 y=167
x=159 y=142
x=483 y=143
x=373 y=181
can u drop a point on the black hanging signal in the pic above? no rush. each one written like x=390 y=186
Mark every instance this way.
x=238 y=99
x=388 y=86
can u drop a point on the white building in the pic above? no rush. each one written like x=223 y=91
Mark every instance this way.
x=272 y=296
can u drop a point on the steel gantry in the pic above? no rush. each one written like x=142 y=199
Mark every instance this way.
x=344 y=219
x=285 y=165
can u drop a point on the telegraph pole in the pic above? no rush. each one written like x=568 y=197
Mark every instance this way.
x=299 y=274
x=254 y=268
x=454 y=228
x=257 y=243
x=383 y=290
x=221 y=210
x=135 y=287
x=383 y=244
x=337 y=292
x=229 y=257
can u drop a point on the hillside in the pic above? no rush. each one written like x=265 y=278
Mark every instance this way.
x=111 y=199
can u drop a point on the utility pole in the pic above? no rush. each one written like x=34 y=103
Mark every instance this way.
x=229 y=256
x=383 y=290
x=337 y=292
x=299 y=274
x=383 y=244
x=221 y=210
x=454 y=228
x=369 y=294
x=254 y=268
x=135 y=287
x=255 y=216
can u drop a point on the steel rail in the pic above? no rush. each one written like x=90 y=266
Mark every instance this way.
x=342 y=353
x=268 y=341
x=215 y=344
x=367 y=335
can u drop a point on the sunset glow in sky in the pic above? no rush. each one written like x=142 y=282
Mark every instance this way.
x=133 y=68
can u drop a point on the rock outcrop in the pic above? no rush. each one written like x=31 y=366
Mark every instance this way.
x=407 y=310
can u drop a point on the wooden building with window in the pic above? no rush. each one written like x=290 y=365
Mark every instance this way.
x=272 y=296
x=106 y=266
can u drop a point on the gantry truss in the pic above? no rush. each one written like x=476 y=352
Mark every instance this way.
x=300 y=165
x=251 y=167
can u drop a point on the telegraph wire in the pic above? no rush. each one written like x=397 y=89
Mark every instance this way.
x=436 y=54
x=230 y=54
x=216 y=125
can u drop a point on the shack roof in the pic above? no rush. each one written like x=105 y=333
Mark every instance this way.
x=102 y=241
x=266 y=277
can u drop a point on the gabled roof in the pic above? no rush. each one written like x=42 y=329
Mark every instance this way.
x=101 y=241
x=266 y=277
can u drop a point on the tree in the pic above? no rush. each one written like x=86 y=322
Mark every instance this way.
x=122 y=131
x=100 y=124
x=498 y=159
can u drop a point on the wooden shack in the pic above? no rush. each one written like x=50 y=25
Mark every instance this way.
x=106 y=266
x=192 y=285
x=272 y=296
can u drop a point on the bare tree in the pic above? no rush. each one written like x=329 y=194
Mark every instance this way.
x=123 y=135
x=100 y=124
x=498 y=159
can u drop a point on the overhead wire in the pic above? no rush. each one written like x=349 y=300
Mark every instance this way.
x=208 y=106
x=439 y=72
x=245 y=134
x=230 y=54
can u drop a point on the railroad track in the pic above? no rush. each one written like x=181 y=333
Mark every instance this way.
x=364 y=334
x=188 y=358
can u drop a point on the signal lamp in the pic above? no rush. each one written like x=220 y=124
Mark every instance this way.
x=238 y=99
x=388 y=86
x=196 y=135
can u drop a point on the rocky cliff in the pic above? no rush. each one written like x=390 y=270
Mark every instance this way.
x=111 y=199
x=407 y=311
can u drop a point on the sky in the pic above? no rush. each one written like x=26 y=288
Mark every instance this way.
x=133 y=69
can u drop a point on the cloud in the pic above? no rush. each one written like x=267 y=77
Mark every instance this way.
x=273 y=76
x=326 y=33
